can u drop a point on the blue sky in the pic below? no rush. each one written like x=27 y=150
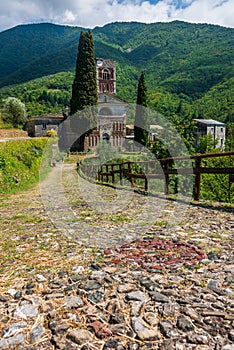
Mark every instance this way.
x=176 y=3
x=91 y=13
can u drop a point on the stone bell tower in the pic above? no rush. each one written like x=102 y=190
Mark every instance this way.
x=106 y=76
x=111 y=110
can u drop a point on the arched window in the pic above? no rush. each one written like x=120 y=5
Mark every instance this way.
x=105 y=111
x=106 y=74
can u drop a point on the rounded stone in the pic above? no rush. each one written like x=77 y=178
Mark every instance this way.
x=73 y=302
x=18 y=295
x=36 y=333
x=184 y=324
x=25 y=311
x=80 y=336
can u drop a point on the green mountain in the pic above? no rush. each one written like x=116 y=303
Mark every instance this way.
x=188 y=65
x=218 y=102
x=30 y=51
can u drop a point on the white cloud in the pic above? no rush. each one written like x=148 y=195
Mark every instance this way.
x=91 y=13
x=209 y=11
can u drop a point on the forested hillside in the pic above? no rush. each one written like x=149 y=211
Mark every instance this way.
x=30 y=51
x=188 y=67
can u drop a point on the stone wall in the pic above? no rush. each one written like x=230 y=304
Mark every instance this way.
x=12 y=133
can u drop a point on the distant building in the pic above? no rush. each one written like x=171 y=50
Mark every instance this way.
x=211 y=127
x=38 y=126
x=154 y=131
x=106 y=75
x=111 y=125
x=111 y=120
x=111 y=110
x=111 y=113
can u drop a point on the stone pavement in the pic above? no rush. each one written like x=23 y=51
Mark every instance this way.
x=127 y=296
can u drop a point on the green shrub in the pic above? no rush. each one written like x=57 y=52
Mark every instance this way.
x=19 y=163
x=217 y=187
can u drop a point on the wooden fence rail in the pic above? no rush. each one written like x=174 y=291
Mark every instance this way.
x=157 y=169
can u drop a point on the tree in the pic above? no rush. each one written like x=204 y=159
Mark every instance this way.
x=14 y=112
x=84 y=89
x=229 y=146
x=175 y=130
x=217 y=187
x=141 y=126
x=176 y=138
x=207 y=144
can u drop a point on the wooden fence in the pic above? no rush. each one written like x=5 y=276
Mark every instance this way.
x=158 y=169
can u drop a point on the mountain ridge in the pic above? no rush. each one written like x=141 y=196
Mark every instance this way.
x=134 y=43
x=180 y=59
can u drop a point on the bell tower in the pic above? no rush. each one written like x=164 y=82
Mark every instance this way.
x=106 y=76
x=111 y=110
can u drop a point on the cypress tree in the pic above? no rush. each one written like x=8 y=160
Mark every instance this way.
x=84 y=89
x=141 y=126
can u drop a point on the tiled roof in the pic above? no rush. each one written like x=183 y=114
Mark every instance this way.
x=47 y=116
x=209 y=122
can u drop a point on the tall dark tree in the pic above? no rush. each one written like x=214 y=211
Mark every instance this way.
x=141 y=125
x=84 y=89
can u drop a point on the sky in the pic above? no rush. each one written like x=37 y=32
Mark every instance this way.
x=92 y=13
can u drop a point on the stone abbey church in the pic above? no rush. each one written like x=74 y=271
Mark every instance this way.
x=111 y=110
x=111 y=124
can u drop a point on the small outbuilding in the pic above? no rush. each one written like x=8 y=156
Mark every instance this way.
x=38 y=126
x=211 y=127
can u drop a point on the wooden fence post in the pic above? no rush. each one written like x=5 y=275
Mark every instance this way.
x=121 y=174
x=197 y=179
x=130 y=173
x=102 y=174
x=107 y=176
x=146 y=184
x=166 y=189
x=113 y=174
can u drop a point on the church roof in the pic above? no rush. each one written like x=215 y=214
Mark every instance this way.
x=101 y=98
x=105 y=62
x=46 y=116
x=209 y=122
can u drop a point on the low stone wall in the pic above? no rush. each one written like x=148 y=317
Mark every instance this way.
x=12 y=133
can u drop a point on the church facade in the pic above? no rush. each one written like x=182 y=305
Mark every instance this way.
x=111 y=118
x=111 y=110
